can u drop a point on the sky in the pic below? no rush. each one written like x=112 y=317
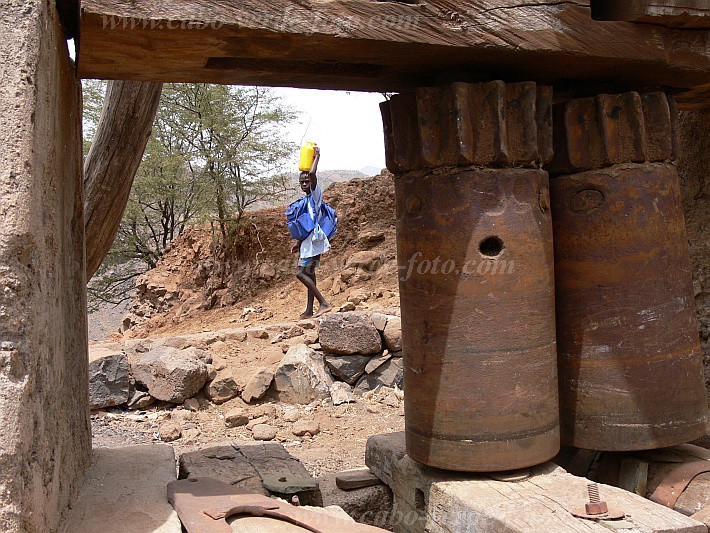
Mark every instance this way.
x=345 y=125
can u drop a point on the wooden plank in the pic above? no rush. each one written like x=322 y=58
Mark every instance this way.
x=694 y=14
x=356 y=478
x=445 y=502
x=381 y=46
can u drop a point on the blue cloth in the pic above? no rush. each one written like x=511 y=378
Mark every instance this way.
x=317 y=242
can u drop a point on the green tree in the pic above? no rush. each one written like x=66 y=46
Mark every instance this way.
x=234 y=137
x=214 y=151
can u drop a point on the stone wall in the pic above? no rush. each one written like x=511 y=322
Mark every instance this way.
x=694 y=171
x=45 y=442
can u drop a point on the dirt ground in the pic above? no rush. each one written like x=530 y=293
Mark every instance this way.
x=339 y=445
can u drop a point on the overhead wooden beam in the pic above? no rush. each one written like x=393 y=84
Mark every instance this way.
x=382 y=46
x=693 y=14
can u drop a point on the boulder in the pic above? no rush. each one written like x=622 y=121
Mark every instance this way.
x=357 y=296
x=379 y=321
x=306 y=427
x=236 y=417
x=341 y=393
x=302 y=376
x=191 y=404
x=377 y=362
x=176 y=375
x=140 y=400
x=389 y=374
x=349 y=333
x=263 y=432
x=258 y=333
x=347 y=367
x=169 y=431
x=257 y=385
x=393 y=334
x=293 y=415
x=108 y=376
x=222 y=388
x=265 y=409
x=371 y=237
x=368 y=260
x=178 y=343
x=257 y=421
x=202 y=355
x=293 y=331
x=141 y=365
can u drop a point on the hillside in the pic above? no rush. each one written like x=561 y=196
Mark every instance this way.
x=197 y=286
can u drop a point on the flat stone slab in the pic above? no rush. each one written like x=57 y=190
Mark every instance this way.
x=126 y=490
x=437 y=501
x=248 y=465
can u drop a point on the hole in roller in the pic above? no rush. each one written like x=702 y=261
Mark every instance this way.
x=491 y=247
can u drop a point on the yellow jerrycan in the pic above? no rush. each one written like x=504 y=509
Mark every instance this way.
x=308 y=155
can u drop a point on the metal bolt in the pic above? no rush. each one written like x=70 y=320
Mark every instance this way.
x=593 y=490
x=595 y=505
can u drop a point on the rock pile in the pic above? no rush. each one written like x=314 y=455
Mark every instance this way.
x=348 y=355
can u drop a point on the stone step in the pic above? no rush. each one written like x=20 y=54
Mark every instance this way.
x=124 y=490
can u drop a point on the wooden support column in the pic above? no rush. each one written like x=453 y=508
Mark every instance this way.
x=631 y=375
x=474 y=247
x=113 y=160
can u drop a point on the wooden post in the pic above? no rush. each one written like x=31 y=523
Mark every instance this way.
x=113 y=160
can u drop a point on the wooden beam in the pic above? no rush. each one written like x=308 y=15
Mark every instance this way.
x=694 y=14
x=382 y=46
x=69 y=16
x=115 y=154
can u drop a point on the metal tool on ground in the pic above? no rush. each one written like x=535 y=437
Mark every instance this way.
x=204 y=505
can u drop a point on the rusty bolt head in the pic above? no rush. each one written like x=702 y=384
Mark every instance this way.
x=596 y=508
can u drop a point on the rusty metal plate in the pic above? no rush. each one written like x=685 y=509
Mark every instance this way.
x=476 y=286
x=631 y=373
x=204 y=505
x=676 y=480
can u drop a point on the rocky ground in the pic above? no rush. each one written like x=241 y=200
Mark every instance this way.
x=319 y=387
x=339 y=442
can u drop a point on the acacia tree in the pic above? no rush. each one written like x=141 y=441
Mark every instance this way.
x=214 y=151
x=234 y=138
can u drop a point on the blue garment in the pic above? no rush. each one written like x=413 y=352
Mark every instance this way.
x=317 y=242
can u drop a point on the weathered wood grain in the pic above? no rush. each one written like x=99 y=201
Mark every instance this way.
x=115 y=154
x=671 y=13
x=382 y=46
x=446 y=502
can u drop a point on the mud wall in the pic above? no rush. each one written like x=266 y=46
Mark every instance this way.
x=45 y=440
x=694 y=170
